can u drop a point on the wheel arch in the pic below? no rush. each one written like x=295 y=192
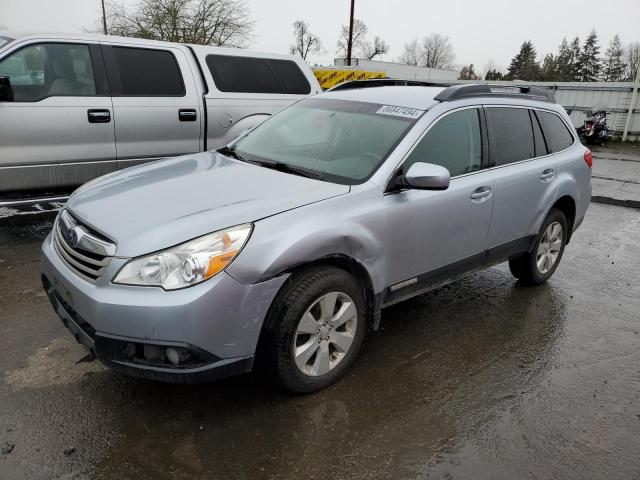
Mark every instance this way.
x=567 y=205
x=351 y=266
x=340 y=261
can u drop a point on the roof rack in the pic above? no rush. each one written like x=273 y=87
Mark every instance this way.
x=385 y=82
x=458 y=92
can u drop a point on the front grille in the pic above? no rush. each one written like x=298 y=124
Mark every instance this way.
x=89 y=256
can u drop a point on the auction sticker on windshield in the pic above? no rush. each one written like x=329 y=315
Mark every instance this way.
x=400 y=111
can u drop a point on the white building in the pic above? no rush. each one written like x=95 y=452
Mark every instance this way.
x=399 y=70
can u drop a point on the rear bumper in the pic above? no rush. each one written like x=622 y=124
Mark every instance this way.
x=215 y=325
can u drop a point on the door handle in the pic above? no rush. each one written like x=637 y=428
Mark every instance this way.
x=187 y=115
x=96 y=115
x=547 y=175
x=480 y=194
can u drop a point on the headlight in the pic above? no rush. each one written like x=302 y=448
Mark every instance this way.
x=187 y=264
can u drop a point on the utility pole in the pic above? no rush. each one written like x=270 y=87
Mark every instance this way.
x=632 y=103
x=350 y=42
x=104 y=19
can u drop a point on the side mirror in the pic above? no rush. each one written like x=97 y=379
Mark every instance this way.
x=6 y=92
x=427 y=176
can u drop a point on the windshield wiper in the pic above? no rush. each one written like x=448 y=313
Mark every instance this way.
x=280 y=166
x=286 y=168
x=230 y=152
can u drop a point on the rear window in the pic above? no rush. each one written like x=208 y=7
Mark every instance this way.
x=257 y=75
x=510 y=135
x=141 y=72
x=556 y=132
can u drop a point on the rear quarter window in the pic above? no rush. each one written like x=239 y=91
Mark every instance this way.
x=510 y=135
x=555 y=131
x=257 y=75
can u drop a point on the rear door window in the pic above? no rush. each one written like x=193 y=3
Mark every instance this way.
x=256 y=75
x=142 y=72
x=556 y=132
x=510 y=135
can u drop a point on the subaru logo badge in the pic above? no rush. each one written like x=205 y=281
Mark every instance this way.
x=72 y=237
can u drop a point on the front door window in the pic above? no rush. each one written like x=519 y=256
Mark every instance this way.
x=49 y=69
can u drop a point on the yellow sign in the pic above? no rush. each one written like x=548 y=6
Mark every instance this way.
x=328 y=78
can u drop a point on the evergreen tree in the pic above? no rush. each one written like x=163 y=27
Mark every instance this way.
x=564 y=67
x=524 y=65
x=613 y=64
x=574 y=61
x=590 y=59
x=494 y=74
x=550 y=68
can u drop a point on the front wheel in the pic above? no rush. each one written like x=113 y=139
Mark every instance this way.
x=314 y=329
x=537 y=266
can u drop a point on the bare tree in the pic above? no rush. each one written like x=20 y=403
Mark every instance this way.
x=437 y=51
x=632 y=57
x=468 y=73
x=412 y=53
x=370 y=50
x=359 y=33
x=205 y=22
x=305 y=41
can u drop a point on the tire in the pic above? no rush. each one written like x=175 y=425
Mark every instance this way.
x=308 y=293
x=526 y=268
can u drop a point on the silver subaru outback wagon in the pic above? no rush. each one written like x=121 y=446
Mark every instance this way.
x=284 y=246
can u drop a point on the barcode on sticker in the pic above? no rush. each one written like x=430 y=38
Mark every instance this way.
x=400 y=111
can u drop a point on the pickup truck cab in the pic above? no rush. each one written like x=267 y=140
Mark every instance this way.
x=77 y=106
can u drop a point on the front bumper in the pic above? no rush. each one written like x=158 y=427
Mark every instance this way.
x=217 y=323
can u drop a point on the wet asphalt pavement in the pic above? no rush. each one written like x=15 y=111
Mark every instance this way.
x=479 y=379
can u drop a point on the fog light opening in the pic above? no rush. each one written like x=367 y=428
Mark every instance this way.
x=177 y=355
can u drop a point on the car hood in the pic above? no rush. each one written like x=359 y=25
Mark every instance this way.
x=161 y=204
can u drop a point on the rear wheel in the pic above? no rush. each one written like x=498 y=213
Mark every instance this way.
x=314 y=329
x=537 y=266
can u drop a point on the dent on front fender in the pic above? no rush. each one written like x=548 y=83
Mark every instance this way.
x=282 y=244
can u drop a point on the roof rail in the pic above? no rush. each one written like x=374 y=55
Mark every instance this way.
x=458 y=92
x=385 y=82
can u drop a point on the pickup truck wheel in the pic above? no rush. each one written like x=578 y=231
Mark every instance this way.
x=537 y=266
x=314 y=329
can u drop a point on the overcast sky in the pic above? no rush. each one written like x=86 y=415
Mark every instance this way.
x=480 y=31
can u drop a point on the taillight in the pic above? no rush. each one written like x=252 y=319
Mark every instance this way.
x=588 y=158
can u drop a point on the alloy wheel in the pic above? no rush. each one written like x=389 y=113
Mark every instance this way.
x=325 y=333
x=549 y=247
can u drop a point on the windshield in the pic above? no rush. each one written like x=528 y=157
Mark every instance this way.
x=340 y=141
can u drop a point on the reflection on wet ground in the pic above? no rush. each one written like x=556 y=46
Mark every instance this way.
x=479 y=379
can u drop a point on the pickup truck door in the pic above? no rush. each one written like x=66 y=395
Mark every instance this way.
x=59 y=129
x=156 y=102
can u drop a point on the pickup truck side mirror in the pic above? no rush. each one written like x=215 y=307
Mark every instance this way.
x=427 y=176
x=6 y=92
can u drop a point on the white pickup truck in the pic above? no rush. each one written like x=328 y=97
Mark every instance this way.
x=76 y=106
